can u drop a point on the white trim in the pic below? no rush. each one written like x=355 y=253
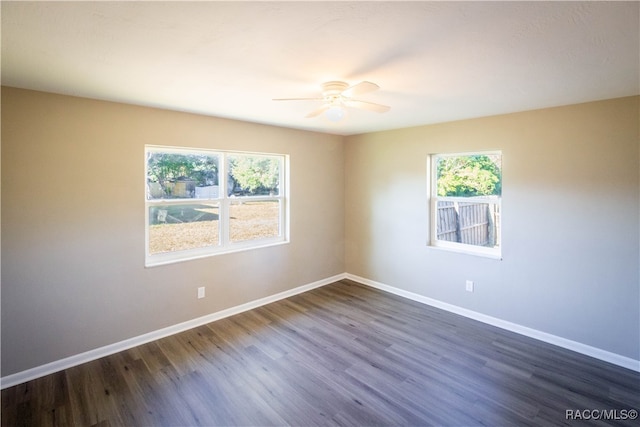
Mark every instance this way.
x=607 y=356
x=78 y=359
x=463 y=251
x=433 y=199
x=223 y=202
x=210 y=251
x=88 y=356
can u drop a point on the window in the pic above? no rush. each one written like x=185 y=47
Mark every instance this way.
x=466 y=198
x=200 y=202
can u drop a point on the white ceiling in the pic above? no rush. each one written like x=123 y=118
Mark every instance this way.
x=434 y=61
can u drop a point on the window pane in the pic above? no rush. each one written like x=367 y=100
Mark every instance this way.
x=173 y=175
x=181 y=227
x=253 y=175
x=469 y=223
x=254 y=220
x=469 y=175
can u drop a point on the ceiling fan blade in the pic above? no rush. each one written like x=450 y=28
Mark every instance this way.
x=378 y=108
x=298 y=99
x=318 y=111
x=362 y=87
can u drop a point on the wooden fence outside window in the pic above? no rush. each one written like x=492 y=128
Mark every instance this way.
x=470 y=223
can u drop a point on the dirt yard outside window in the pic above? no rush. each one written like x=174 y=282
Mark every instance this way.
x=196 y=226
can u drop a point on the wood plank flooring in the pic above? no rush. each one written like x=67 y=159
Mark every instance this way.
x=344 y=355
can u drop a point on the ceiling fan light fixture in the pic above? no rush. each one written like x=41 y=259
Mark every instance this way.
x=335 y=113
x=339 y=95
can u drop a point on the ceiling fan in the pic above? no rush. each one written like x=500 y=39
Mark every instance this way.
x=338 y=95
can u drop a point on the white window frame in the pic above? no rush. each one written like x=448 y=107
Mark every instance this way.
x=433 y=241
x=224 y=200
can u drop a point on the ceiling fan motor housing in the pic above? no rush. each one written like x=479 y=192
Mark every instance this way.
x=338 y=95
x=332 y=91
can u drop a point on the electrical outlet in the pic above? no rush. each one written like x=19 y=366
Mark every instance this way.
x=469 y=286
x=201 y=292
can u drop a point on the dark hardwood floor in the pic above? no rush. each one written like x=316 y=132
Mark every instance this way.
x=343 y=354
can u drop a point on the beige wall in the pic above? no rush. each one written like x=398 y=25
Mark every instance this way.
x=570 y=220
x=73 y=276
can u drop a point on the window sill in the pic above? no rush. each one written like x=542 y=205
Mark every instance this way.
x=156 y=261
x=497 y=257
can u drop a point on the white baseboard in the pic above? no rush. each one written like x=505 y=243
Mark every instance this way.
x=607 y=356
x=68 y=362
x=78 y=359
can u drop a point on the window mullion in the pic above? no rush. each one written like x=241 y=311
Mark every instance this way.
x=256 y=214
x=224 y=201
